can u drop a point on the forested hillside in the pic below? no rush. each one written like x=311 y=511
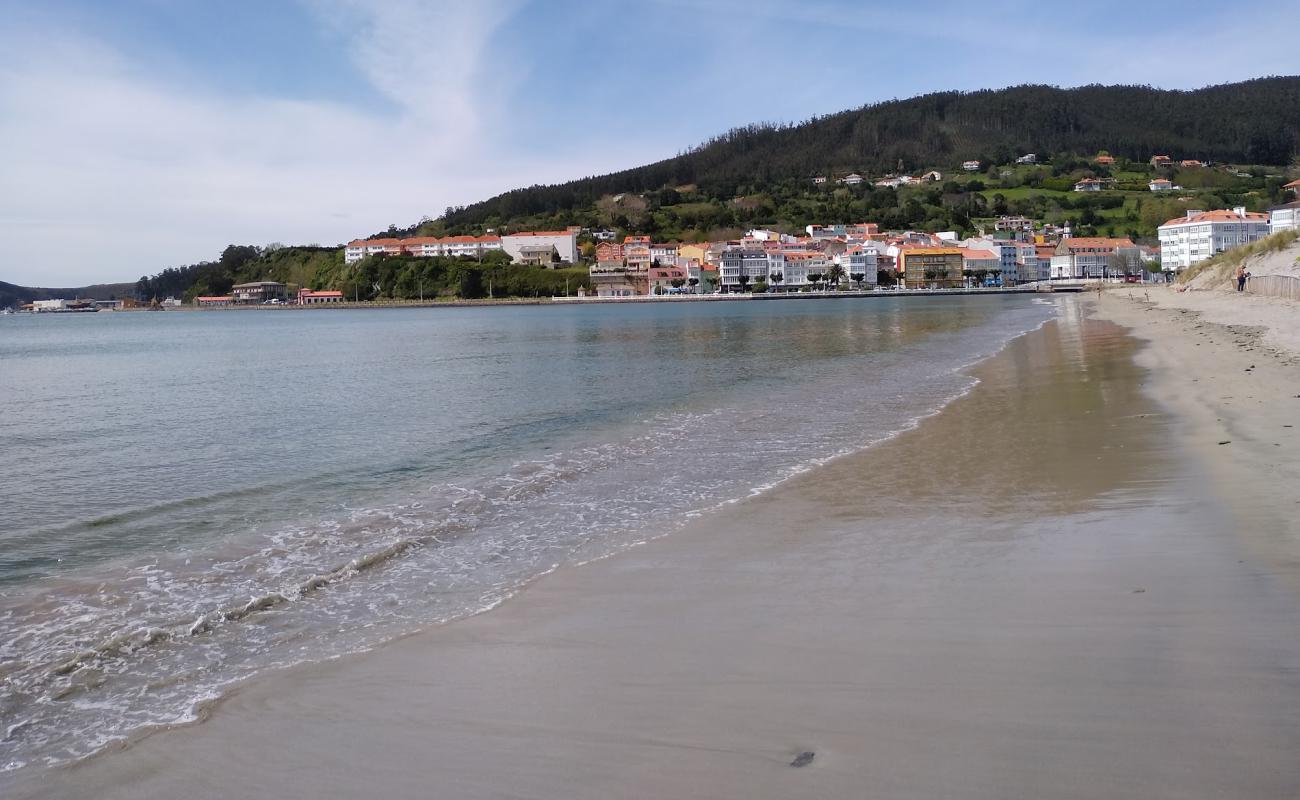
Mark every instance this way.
x=1255 y=122
x=12 y=295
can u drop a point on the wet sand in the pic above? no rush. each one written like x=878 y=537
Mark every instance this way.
x=1050 y=590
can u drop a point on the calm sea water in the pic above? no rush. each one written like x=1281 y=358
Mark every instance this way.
x=189 y=499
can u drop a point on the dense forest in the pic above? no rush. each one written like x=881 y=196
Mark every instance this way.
x=13 y=295
x=1255 y=122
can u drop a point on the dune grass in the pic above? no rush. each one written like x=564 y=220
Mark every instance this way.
x=1224 y=264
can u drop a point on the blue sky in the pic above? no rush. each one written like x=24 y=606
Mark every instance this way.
x=141 y=134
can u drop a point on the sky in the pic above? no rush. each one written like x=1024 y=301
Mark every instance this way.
x=141 y=134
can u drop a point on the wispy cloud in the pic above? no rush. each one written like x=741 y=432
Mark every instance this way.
x=120 y=157
x=112 y=172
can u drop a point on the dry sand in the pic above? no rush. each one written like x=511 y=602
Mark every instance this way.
x=1054 y=589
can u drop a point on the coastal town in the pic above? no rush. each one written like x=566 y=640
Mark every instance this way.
x=1011 y=251
x=1007 y=251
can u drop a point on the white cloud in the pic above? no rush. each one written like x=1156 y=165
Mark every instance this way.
x=111 y=173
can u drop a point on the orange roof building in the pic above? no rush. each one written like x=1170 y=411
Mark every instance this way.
x=1199 y=235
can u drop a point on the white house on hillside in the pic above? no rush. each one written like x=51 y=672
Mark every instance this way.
x=542 y=247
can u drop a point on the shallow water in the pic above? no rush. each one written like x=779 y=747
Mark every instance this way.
x=190 y=499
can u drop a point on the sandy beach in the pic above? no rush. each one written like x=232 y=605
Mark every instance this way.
x=1080 y=580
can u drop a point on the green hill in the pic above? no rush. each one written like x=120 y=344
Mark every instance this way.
x=1255 y=122
x=12 y=295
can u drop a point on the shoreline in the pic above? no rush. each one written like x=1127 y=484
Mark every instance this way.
x=562 y=300
x=677 y=617
x=1238 y=383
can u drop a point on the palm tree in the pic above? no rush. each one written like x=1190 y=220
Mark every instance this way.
x=693 y=282
x=776 y=278
x=814 y=278
x=744 y=283
x=834 y=275
x=858 y=278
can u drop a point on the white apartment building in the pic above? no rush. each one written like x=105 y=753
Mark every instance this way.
x=665 y=255
x=1029 y=267
x=1202 y=234
x=1087 y=257
x=422 y=246
x=859 y=261
x=737 y=261
x=1285 y=218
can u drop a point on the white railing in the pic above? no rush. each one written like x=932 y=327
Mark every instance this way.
x=1275 y=286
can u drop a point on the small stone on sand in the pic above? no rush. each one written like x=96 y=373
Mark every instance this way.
x=803 y=759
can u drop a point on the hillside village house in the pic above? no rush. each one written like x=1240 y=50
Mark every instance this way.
x=1095 y=257
x=1285 y=218
x=1161 y=161
x=636 y=253
x=542 y=248
x=1090 y=185
x=1104 y=160
x=971 y=166
x=1161 y=185
x=1028 y=158
x=852 y=179
x=1201 y=234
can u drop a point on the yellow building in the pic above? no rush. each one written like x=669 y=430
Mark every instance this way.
x=695 y=252
x=925 y=267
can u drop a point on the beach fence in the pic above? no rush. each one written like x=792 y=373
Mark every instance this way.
x=1287 y=286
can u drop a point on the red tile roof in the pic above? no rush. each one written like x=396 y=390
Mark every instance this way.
x=1222 y=215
